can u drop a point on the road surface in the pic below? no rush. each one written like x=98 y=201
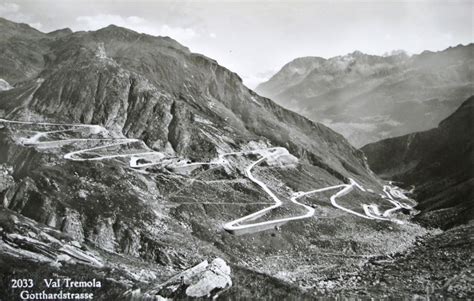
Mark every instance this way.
x=241 y=225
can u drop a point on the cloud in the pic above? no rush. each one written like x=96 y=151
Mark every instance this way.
x=100 y=21
x=9 y=8
x=136 y=23
x=178 y=32
x=12 y=11
x=253 y=80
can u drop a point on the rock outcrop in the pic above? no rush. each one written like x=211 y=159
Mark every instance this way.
x=205 y=280
x=216 y=277
x=4 y=85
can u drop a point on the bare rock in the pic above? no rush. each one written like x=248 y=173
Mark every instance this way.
x=103 y=235
x=216 y=276
x=201 y=281
x=4 y=85
x=72 y=225
x=6 y=179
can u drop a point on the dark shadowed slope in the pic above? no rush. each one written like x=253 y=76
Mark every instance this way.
x=367 y=97
x=439 y=162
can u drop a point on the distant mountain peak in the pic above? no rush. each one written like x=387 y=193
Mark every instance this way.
x=60 y=32
x=116 y=32
x=116 y=28
x=10 y=29
x=357 y=53
x=371 y=97
x=397 y=53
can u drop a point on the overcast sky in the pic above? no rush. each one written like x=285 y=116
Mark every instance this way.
x=256 y=38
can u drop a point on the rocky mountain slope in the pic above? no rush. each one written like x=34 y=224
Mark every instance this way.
x=439 y=162
x=367 y=97
x=123 y=156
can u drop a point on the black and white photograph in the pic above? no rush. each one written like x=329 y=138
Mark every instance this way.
x=156 y=150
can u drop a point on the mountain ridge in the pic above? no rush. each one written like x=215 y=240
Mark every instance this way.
x=369 y=97
x=162 y=78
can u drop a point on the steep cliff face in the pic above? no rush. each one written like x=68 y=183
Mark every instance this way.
x=172 y=157
x=367 y=98
x=154 y=89
x=439 y=162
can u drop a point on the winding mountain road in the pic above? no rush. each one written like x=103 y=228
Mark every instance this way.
x=240 y=225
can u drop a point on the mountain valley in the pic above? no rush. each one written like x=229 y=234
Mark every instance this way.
x=128 y=159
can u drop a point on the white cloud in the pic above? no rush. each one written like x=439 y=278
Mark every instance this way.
x=135 y=23
x=447 y=36
x=212 y=35
x=99 y=21
x=9 y=8
x=178 y=32
x=253 y=80
x=12 y=11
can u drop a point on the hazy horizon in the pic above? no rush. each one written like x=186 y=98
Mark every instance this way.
x=256 y=38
